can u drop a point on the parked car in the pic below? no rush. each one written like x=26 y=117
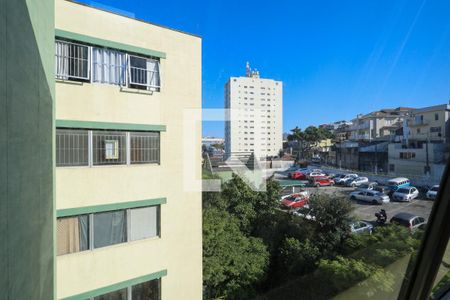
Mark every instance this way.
x=316 y=174
x=295 y=201
x=321 y=181
x=399 y=182
x=382 y=189
x=359 y=227
x=304 y=212
x=315 y=160
x=302 y=193
x=408 y=220
x=405 y=194
x=432 y=192
x=337 y=176
x=297 y=175
x=368 y=186
x=356 y=181
x=346 y=177
x=370 y=196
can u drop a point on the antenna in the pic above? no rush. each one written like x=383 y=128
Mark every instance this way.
x=248 y=70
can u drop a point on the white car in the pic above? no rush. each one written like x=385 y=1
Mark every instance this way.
x=357 y=181
x=370 y=196
x=316 y=174
x=405 y=194
x=304 y=212
x=346 y=178
x=432 y=193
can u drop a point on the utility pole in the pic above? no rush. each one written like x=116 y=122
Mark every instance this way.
x=427 y=166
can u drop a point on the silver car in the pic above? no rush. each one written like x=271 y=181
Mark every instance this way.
x=359 y=227
x=405 y=194
x=412 y=222
x=370 y=196
x=357 y=181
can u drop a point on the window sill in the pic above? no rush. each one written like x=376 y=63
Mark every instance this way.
x=109 y=166
x=106 y=248
x=138 y=91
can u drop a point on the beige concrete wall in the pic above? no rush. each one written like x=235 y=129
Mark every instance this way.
x=179 y=248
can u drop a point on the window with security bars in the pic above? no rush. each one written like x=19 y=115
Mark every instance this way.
x=72 y=61
x=72 y=147
x=109 y=147
x=144 y=147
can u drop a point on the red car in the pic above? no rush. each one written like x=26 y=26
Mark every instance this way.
x=297 y=175
x=321 y=181
x=295 y=201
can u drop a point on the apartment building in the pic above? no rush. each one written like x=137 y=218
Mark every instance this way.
x=255 y=115
x=425 y=146
x=125 y=228
x=382 y=124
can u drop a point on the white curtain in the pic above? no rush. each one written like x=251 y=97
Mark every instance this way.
x=61 y=60
x=109 y=66
x=152 y=73
x=143 y=222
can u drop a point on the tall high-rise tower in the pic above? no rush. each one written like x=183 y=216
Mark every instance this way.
x=255 y=115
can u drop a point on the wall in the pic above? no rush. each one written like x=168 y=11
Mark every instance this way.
x=26 y=149
x=179 y=250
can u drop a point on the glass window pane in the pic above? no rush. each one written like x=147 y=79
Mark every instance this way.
x=109 y=147
x=145 y=147
x=109 y=228
x=71 y=147
x=149 y=290
x=116 y=295
x=72 y=234
x=144 y=222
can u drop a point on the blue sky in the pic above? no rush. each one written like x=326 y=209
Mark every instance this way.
x=336 y=58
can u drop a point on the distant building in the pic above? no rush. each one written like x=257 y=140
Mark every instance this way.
x=424 y=149
x=256 y=124
x=381 y=125
x=208 y=141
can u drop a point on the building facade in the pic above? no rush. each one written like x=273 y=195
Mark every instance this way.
x=255 y=115
x=382 y=124
x=425 y=147
x=125 y=225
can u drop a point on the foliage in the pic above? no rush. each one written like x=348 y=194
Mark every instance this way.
x=332 y=223
x=342 y=273
x=308 y=139
x=231 y=261
x=298 y=258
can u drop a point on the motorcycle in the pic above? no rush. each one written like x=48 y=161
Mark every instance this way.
x=381 y=217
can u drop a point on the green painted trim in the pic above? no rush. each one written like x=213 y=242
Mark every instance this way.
x=117 y=286
x=106 y=43
x=107 y=125
x=108 y=207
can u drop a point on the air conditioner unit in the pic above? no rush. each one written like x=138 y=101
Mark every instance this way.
x=111 y=149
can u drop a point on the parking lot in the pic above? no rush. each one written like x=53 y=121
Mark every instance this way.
x=366 y=211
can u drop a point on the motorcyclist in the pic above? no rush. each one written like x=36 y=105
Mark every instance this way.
x=381 y=216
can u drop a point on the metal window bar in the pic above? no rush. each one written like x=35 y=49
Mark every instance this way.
x=144 y=147
x=139 y=76
x=72 y=61
x=99 y=149
x=71 y=147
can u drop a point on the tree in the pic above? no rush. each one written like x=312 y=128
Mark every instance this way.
x=308 y=139
x=342 y=273
x=332 y=222
x=232 y=262
x=298 y=257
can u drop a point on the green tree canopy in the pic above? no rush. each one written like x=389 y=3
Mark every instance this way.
x=231 y=261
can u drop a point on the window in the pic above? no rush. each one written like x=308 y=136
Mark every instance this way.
x=71 y=61
x=145 y=147
x=391 y=168
x=109 y=147
x=116 y=295
x=109 y=66
x=149 y=290
x=71 y=147
x=144 y=73
x=109 y=228
x=436 y=116
x=72 y=234
x=435 y=129
x=101 y=229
